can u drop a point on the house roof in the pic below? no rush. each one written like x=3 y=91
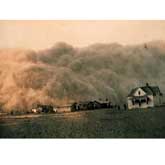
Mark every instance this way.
x=132 y=92
x=85 y=102
x=149 y=90
x=155 y=90
x=96 y=102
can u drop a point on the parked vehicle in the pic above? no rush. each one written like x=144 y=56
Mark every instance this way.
x=44 y=109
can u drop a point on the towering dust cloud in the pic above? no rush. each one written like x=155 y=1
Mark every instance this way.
x=63 y=74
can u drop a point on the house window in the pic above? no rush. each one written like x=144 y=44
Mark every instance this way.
x=139 y=92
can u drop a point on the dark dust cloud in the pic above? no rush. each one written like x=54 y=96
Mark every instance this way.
x=62 y=73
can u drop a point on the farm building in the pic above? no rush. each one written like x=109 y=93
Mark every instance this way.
x=90 y=105
x=85 y=105
x=105 y=103
x=144 y=97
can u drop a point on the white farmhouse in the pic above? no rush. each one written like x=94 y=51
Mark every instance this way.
x=144 y=97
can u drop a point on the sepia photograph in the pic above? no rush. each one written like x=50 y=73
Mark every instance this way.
x=82 y=79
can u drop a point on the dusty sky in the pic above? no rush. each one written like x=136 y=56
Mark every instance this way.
x=44 y=34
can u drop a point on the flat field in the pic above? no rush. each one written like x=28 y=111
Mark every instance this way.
x=104 y=123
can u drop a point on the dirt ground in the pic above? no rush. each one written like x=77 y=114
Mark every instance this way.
x=103 y=123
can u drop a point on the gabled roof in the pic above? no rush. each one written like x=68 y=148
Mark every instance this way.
x=149 y=90
x=155 y=90
x=132 y=92
x=97 y=102
x=85 y=102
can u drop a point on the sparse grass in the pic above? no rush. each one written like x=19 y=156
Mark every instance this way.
x=148 y=123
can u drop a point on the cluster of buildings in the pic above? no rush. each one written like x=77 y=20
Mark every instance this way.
x=140 y=97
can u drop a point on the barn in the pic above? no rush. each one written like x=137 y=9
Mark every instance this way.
x=144 y=97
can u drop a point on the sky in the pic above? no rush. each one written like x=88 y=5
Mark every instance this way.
x=44 y=34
